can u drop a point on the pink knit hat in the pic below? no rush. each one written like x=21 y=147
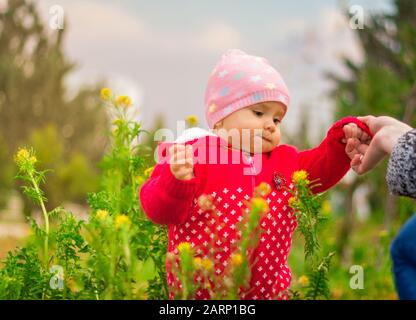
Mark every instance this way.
x=240 y=80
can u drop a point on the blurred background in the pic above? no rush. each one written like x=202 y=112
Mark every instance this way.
x=337 y=57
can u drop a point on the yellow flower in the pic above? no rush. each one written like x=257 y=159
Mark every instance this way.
x=198 y=263
x=383 y=233
x=148 y=171
x=236 y=259
x=293 y=202
x=303 y=281
x=192 y=120
x=24 y=157
x=299 y=177
x=337 y=293
x=207 y=264
x=73 y=285
x=106 y=94
x=262 y=190
x=184 y=246
x=123 y=101
x=259 y=205
x=121 y=221
x=118 y=122
x=101 y=214
x=139 y=180
x=326 y=208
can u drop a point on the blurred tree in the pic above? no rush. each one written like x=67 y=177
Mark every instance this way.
x=301 y=138
x=6 y=173
x=383 y=84
x=72 y=176
x=34 y=94
x=148 y=142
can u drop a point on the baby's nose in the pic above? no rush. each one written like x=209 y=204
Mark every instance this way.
x=269 y=125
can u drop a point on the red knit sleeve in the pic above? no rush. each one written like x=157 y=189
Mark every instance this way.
x=328 y=162
x=165 y=199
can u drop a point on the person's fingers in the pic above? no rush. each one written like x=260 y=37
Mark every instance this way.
x=175 y=148
x=184 y=173
x=350 y=146
x=365 y=138
x=181 y=161
x=359 y=133
x=356 y=161
x=176 y=164
x=371 y=158
x=188 y=169
x=375 y=123
x=354 y=129
x=189 y=155
x=178 y=157
x=179 y=153
x=182 y=156
x=366 y=119
x=362 y=148
x=344 y=140
x=347 y=131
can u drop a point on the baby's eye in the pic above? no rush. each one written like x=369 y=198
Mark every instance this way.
x=276 y=121
x=258 y=113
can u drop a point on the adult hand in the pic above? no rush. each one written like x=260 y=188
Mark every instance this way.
x=386 y=131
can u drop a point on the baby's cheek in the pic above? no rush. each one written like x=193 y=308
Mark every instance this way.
x=255 y=144
x=276 y=140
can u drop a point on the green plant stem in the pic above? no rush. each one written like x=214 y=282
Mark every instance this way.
x=318 y=282
x=45 y=217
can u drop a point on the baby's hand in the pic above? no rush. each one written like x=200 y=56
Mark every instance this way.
x=181 y=161
x=356 y=139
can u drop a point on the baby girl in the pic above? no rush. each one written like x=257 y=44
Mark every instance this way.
x=246 y=100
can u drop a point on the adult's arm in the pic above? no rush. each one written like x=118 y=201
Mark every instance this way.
x=401 y=172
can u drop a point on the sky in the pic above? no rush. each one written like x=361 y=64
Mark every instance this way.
x=161 y=53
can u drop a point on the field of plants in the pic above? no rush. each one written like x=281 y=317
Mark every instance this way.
x=116 y=253
x=72 y=161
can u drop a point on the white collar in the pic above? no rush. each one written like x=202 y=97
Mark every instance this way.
x=194 y=133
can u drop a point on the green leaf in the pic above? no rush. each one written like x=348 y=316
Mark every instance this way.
x=146 y=270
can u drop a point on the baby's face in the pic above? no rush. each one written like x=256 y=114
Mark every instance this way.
x=254 y=129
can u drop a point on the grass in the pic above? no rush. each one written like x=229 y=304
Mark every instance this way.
x=368 y=247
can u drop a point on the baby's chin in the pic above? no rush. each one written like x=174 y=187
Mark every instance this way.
x=262 y=147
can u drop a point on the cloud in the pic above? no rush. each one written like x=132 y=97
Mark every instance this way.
x=219 y=36
x=109 y=41
x=169 y=66
x=93 y=22
x=305 y=52
x=95 y=31
x=341 y=40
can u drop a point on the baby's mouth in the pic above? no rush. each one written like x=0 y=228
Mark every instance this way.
x=264 y=138
x=267 y=139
